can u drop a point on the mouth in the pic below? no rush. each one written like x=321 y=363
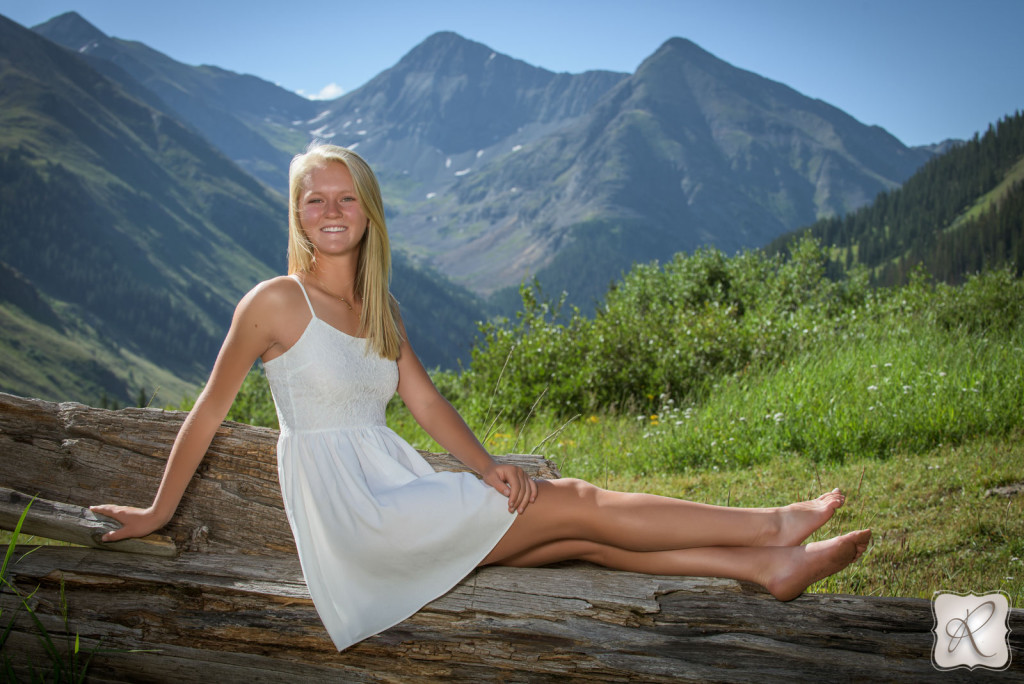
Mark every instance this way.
x=333 y=229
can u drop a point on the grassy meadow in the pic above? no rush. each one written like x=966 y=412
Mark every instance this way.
x=910 y=400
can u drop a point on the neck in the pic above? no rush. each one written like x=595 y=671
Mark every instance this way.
x=336 y=274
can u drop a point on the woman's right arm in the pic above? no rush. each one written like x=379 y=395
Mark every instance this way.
x=250 y=335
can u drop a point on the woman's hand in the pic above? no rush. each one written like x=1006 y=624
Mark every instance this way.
x=514 y=483
x=135 y=522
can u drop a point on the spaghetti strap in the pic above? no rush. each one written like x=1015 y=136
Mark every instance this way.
x=302 y=287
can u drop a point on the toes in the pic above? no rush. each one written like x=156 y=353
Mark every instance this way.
x=834 y=499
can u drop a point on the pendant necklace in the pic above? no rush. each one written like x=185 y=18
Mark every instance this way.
x=328 y=291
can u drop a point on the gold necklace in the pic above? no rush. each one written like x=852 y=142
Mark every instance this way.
x=328 y=291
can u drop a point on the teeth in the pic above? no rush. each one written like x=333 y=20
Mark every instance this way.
x=333 y=229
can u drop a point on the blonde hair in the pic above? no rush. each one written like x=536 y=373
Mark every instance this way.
x=379 y=319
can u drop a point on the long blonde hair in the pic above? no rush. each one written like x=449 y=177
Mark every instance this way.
x=379 y=319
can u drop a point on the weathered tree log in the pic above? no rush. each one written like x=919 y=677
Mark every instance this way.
x=232 y=606
x=76 y=454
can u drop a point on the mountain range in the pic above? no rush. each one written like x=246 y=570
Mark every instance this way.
x=142 y=196
x=494 y=169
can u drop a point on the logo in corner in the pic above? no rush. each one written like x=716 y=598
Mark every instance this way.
x=971 y=631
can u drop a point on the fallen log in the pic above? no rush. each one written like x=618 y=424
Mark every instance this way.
x=232 y=605
x=80 y=455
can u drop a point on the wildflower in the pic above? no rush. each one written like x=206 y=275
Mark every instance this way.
x=872 y=388
x=593 y=419
x=778 y=417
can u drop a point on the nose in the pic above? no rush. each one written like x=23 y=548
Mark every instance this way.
x=333 y=208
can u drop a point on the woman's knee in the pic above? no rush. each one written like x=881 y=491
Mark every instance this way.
x=576 y=489
x=576 y=498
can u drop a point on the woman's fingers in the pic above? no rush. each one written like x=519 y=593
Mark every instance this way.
x=135 y=522
x=525 y=492
x=514 y=487
x=513 y=482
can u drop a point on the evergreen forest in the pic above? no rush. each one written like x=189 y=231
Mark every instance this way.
x=960 y=213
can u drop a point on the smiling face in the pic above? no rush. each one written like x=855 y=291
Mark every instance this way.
x=330 y=212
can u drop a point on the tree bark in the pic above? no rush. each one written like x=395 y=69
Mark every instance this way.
x=232 y=605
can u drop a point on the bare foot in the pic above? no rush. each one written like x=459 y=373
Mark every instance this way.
x=802 y=566
x=796 y=522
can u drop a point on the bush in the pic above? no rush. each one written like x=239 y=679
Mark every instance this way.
x=663 y=331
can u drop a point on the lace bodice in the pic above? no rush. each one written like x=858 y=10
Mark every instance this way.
x=329 y=380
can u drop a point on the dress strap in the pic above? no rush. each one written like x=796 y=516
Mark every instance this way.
x=303 y=288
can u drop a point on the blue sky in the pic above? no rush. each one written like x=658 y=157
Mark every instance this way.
x=925 y=70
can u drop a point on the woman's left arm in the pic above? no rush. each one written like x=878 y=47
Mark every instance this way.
x=442 y=422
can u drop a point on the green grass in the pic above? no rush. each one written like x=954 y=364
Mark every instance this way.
x=915 y=421
x=933 y=526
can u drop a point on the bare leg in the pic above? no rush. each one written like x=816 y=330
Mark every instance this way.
x=785 y=571
x=574 y=509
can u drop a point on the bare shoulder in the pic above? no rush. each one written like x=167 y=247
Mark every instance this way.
x=275 y=310
x=273 y=297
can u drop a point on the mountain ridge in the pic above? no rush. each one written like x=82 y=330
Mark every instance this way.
x=492 y=167
x=243 y=115
x=659 y=127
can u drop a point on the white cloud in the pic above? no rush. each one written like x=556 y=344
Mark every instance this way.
x=328 y=92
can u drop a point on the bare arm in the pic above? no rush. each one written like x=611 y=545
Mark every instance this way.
x=442 y=422
x=248 y=338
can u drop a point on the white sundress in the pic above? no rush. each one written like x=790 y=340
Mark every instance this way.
x=379 y=532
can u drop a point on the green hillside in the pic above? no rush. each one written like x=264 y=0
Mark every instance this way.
x=961 y=213
x=127 y=239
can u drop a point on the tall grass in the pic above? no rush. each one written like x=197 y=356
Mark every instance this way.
x=67 y=664
x=898 y=381
x=902 y=390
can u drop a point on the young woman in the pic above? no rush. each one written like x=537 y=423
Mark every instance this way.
x=379 y=533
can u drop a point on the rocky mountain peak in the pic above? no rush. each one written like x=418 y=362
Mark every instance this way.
x=71 y=30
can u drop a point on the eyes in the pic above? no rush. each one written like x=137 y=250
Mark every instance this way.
x=315 y=201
